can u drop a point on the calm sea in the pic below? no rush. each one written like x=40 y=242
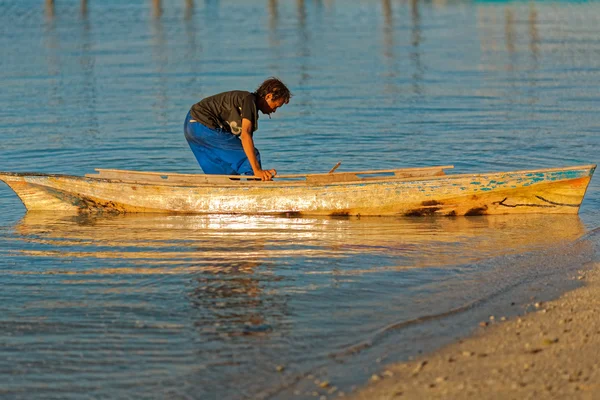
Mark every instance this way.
x=229 y=307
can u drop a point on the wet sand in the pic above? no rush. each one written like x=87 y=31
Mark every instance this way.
x=553 y=353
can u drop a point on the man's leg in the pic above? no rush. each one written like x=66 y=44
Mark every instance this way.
x=218 y=152
x=199 y=138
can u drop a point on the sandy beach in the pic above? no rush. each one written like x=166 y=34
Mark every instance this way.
x=552 y=353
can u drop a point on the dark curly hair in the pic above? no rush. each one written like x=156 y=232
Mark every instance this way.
x=276 y=88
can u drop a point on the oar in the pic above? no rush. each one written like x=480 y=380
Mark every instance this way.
x=335 y=167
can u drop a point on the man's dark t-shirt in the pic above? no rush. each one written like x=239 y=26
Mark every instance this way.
x=226 y=110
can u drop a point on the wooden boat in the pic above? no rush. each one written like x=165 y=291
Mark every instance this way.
x=407 y=192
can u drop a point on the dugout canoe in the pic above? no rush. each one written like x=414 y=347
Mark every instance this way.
x=399 y=192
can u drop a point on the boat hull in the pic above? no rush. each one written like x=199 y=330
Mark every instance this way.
x=559 y=191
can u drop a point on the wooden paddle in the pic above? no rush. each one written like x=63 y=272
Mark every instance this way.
x=335 y=167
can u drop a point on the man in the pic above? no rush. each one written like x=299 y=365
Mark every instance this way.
x=219 y=129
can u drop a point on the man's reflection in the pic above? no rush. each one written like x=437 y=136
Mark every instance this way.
x=233 y=299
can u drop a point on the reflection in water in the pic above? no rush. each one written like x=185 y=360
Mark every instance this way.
x=301 y=12
x=84 y=8
x=157 y=8
x=486 y=22
x=497 y=55
x=415 y=54
x=176 y=239
x=273 y=8
x=193 y=51
x=230 y=256
x=233 y=299
x=189 y=9
x=534 y=41
x=49 y=9
x=303 y=45
x=509 y=28
x=389 y=55
x=302 y=49
x=161 y=60
x=488 y=19
x=87 y=63
x=386 y=7
x=274 y=35
x=239 y=295
x=534 y=48
x=53 y=61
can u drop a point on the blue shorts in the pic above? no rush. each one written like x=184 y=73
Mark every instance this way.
x=217 y=151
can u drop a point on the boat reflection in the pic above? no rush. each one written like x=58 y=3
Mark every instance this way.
x=173 y=244
x=273 y=282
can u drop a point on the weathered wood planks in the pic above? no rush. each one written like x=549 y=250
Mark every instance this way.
x=168 y=177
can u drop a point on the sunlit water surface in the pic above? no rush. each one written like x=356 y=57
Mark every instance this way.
x=266 y=307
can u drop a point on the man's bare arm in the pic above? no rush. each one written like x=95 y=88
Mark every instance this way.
x=248 y=146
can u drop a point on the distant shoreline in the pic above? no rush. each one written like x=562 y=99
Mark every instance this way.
x=551 y=353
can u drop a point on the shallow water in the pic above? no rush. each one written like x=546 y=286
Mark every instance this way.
x=211 y=306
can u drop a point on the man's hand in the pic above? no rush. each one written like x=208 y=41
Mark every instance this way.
x=265 y=175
